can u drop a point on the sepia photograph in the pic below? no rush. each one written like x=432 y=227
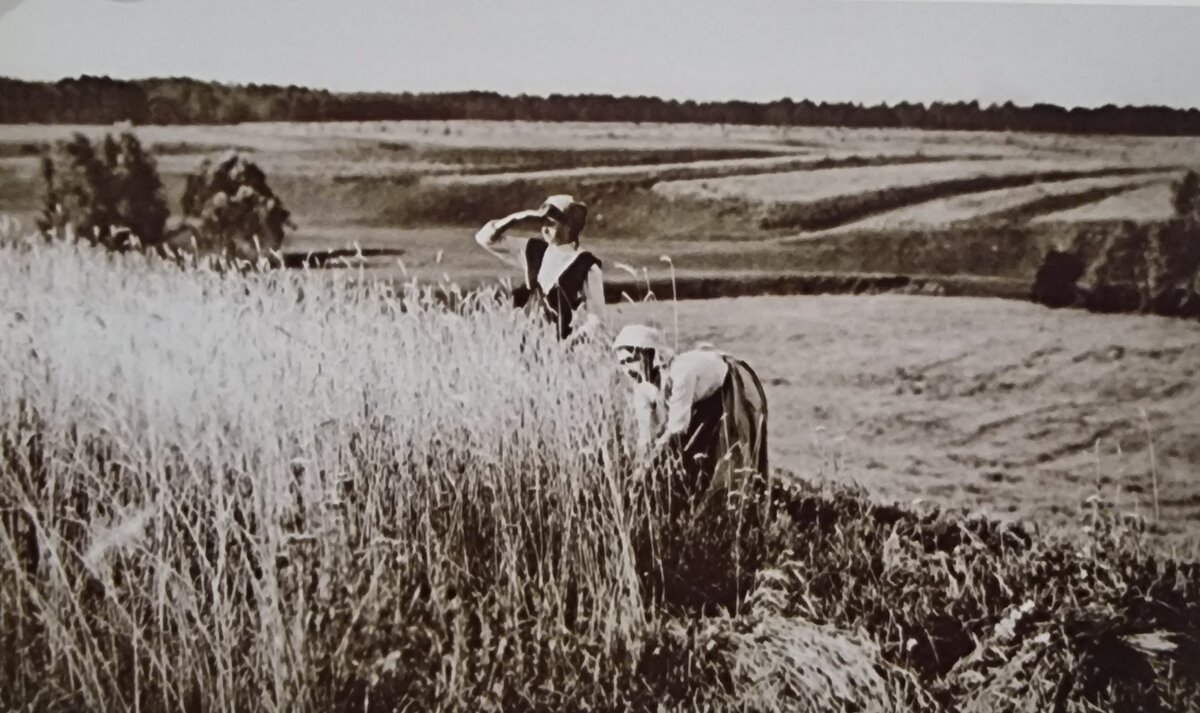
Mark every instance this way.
x=549 y=355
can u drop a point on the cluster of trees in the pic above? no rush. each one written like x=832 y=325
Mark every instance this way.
x=1151 y=268
x=186 y=101
x=110 y=194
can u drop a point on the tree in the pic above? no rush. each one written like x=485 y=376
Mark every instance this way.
x=106 y=196
x=233 y=210
x=138 y=191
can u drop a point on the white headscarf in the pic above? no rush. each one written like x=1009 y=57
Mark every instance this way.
x=634 y=337
x=640 y=336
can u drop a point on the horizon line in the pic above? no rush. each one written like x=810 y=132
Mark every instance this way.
x=983 y=104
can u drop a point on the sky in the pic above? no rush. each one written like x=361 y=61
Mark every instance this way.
x=758 y=50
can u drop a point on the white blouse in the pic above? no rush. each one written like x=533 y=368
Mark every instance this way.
x=690 y=377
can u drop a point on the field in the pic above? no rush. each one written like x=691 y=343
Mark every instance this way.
x=1007 y=204
x=923 y=206
x=285 y=492
x=320 y=490
x=722 y=201
x=1149 y=203
x=999 y=407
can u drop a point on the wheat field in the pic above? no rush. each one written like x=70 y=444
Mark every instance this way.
x=230 y=489
x=226 y=477
x=227 y=490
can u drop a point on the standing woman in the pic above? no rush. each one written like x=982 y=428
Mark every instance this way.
x=564 y=280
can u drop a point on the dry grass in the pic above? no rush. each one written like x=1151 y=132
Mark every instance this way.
x=228 y=492
x=225 y=492
x=993 y=617
x=242 y=521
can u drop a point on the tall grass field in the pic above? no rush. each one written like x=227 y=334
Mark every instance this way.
x=231 y=491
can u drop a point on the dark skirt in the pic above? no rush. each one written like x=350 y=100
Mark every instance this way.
x=726 y=442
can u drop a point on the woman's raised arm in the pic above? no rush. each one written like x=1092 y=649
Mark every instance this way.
x=493 y=238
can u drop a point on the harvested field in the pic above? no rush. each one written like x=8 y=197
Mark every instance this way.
x=1005 y=407
x=1144 y=205
x=1006 y=204
x=812 y=186
x=389 y=185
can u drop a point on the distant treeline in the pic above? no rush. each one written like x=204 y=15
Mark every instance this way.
x=101 y=100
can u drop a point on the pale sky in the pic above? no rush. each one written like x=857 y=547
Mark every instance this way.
x=757 y=50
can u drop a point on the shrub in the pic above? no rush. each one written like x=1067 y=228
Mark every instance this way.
x=1055 y=282
x=233 y=210
x=1186 y=198
x=1131 y=267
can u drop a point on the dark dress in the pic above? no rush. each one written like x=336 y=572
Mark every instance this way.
x=559 y=304
x=712 y=557
x=726 y=440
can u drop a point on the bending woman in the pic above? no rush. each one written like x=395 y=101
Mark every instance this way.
x=708 y=407
x=564 y=280
x=708 y=410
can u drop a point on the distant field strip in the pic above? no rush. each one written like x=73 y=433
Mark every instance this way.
x=376 y=160
x=175 y=138
x=1005 y=204
x=819 y=200
x=703 y=170
x=842 y=182
x=526 y=135
x=1147 y=204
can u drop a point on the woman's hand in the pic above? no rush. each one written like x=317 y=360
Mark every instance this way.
x=488 y=234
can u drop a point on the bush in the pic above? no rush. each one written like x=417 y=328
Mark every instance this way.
x=1055 y=282
x=107 y=195
x=1186 y=198
x=233 y=210
x=1132 y=267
